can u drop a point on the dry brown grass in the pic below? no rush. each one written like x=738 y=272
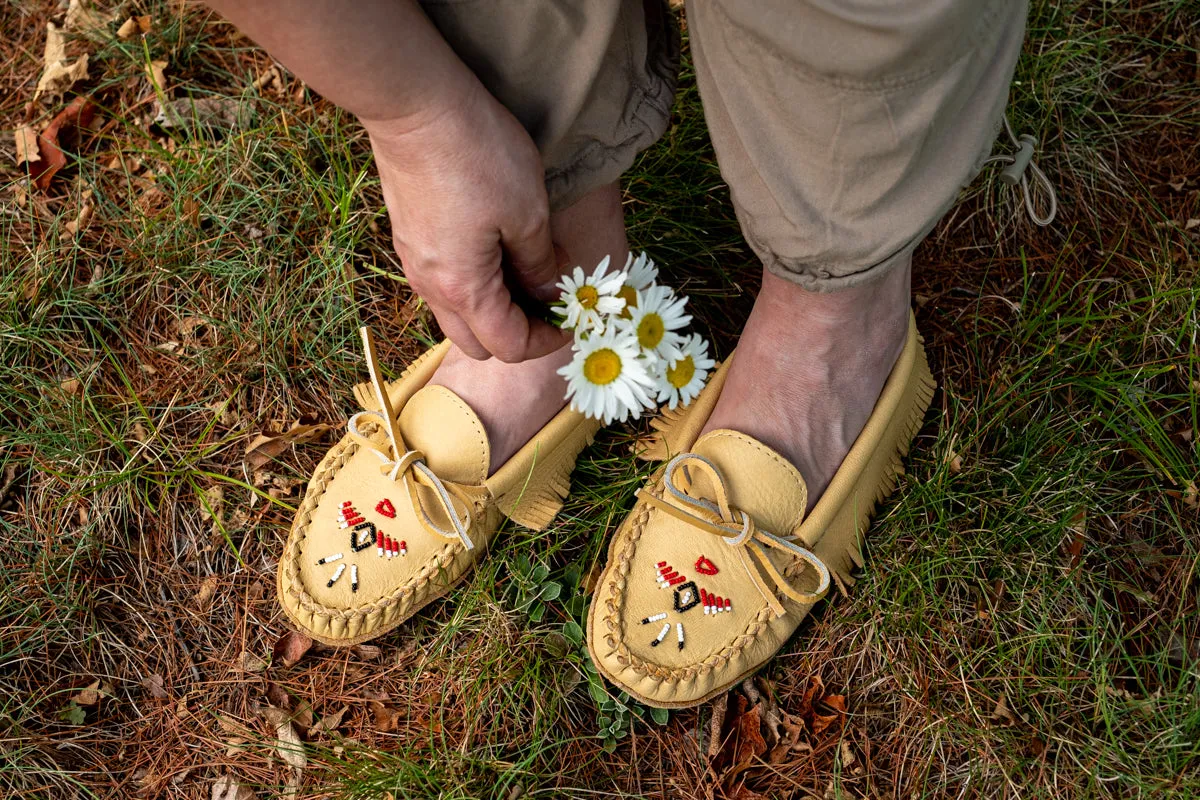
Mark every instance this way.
x=1028 y=626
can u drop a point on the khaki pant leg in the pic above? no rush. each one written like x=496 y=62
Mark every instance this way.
x=591 y=80
x=846 y=128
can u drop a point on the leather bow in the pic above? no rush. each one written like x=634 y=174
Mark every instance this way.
x=737 y=529
x=408 y=466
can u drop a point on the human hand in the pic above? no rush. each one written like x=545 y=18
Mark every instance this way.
x=464 y=186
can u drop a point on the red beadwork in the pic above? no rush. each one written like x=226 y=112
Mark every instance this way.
x=386 y=508
x=706 y=567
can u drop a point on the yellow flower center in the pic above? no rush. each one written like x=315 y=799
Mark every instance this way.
x=650 y=331
x=588 y=296
x=681 y=372
x=602 y=367
x=629 y=295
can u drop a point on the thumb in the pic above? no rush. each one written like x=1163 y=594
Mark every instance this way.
x=536 y=262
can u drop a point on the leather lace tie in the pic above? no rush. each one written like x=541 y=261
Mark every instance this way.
x=737 y=529
x=408 y=466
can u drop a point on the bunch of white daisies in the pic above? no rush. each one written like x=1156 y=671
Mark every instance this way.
x=630 y=351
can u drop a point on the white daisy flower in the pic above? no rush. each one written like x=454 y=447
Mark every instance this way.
x=606 y=380
x=685 y=373
x=587 y=299
x=654 y=320
x=640 y=275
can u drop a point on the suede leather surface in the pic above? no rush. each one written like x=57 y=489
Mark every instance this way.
x=439 y=424
x=719 y=650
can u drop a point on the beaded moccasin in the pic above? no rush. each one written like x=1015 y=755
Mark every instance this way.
x=402 y=507
x=717 y=563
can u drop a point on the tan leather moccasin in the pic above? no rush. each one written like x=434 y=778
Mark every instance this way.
x=717 y=564
x=400 y=509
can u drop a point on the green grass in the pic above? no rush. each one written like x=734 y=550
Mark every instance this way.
x=1027 y=625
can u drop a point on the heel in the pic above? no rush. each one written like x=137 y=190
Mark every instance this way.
x=535 y=503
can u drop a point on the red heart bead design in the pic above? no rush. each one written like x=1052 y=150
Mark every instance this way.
x=386 y=508
x=706 y=567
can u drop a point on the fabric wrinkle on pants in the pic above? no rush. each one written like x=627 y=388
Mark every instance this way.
x=591 y=80
x=844 y=128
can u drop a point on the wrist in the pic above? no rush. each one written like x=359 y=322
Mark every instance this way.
x=441 y=106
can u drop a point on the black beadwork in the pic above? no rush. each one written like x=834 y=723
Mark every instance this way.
x=695 y=601
x=367 y=542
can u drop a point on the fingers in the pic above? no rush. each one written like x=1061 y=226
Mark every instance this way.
x=535 y=259
x=458 y=331
x=506 y=332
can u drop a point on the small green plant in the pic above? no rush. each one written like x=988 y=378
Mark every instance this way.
x=532 y=588
x=615 y=714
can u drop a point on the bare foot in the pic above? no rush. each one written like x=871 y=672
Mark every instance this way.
x=809 y=368
x=514 y=401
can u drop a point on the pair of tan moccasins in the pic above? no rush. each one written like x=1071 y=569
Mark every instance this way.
x=707 y=577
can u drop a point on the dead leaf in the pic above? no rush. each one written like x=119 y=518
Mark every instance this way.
x=208 y=588
x=1191 y=223
x=290 y=648
x=88 y=696
x=129 y=29
x=329 y=722
x=955 y=462
x=252 y=663
x=156 y=72
x=155 y=685
x=59 y=74
x=212 y=505
x=848 y=757
x=277 y=696
x=194 y=329
x=152 y=202
x=191 y=212
x=84 y=216
x=264 y=447
x=303 y=715
x=1003 y=714
x=1191 y=495
x=224 y=113
x=226 y=788
x=234 y=728
x=789 y=741
x=71 y=386
x=1077 y=528
x=289 y=745
x=836 y=702
x=284 y=487
x=368 y=652
x=82 y=18
x=749 y=741
x=25 y=138
x=78 y=114
x=387 y=719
